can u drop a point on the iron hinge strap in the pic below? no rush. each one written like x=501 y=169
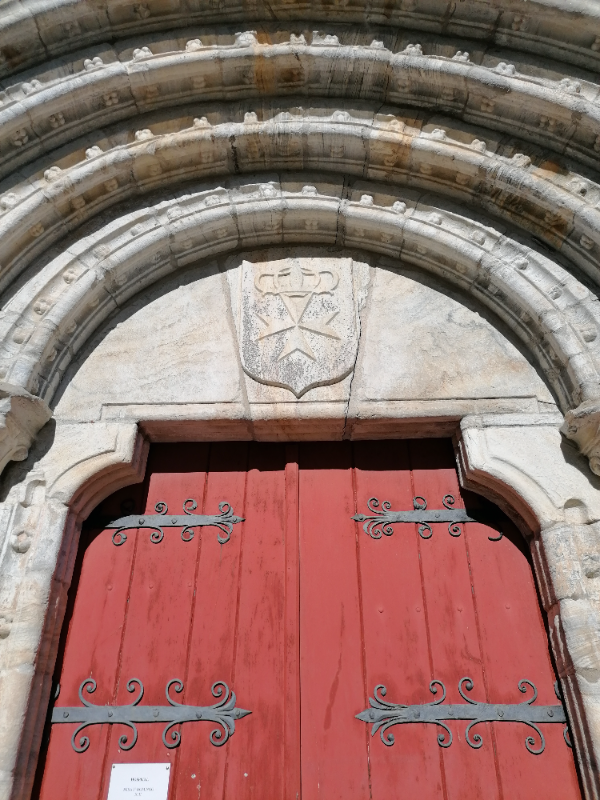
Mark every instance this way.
x=384 y=715
x=379 y=522
x=223 y=713
x=162 y=519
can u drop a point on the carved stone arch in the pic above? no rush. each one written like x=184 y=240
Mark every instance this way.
x=548 y=28
x=560 y=210
x=75 y=293
x=552 y=313
x=37 y=117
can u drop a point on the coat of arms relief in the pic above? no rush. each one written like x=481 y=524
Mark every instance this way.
x=297 y=320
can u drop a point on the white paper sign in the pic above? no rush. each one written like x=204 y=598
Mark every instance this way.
x=146 y=781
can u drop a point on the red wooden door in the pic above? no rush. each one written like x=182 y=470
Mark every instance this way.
x=302 y=613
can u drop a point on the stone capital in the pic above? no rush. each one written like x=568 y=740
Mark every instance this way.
x=21 y=417
x=582 y=426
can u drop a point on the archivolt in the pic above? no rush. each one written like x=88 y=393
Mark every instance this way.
x=37 y=116
x=560 y=210
x=559 y=29
x=365 y=66
x=48 y=322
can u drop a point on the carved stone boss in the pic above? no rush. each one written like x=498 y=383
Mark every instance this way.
x=384 y=715
x=223 y=713
x=188 y=521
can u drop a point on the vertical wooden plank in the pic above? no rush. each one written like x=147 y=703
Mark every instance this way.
x=293 y=786
x=255 y=756
x=396 y=647
x=515 y=646
x=452 y=623
x=201 y=766
x=160 y=602
x=334 y=747
x=92 y=651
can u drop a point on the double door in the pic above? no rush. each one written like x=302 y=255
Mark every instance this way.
x=301 y=611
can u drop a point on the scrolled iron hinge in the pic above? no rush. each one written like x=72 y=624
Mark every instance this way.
x=224 y=713
x=384 y=715
x=379 y=522
x=162 y=519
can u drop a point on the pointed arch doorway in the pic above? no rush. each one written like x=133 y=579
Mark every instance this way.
x=300 y=614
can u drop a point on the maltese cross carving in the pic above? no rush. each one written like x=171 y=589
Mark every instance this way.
x=296 y=286
x=298 y=325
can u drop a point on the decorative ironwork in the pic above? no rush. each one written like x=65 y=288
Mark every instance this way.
x=380 y=522
x=224 y=521
x=384 y=715
x=224 y=713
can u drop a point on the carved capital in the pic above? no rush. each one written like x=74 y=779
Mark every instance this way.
x=582 y=426
x=21 y=417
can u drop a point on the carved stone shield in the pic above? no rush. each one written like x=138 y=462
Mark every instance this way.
x=298 y=321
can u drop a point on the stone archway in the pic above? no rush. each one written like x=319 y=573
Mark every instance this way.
x=451 y=150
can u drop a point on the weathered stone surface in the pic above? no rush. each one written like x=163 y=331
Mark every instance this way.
x=582 y=425
x=548 y=309
x=421 y=344
x=21 y=417
x=390 y=148
x=559 y=29
x=174 y=345
x=519 y=445
x=182 y=346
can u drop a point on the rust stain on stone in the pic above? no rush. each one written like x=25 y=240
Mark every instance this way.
x=265 y=74
x=550 y=166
